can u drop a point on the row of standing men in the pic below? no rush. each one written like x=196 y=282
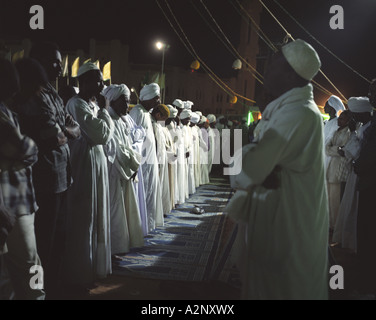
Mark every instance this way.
x=93 y=180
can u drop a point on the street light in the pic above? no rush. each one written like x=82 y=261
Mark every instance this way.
x=162 y=46
x=135 y=92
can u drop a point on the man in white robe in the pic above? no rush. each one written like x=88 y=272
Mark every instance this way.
x=196 y=147
x=159 y=114
x=281 y=195
x=213 y=141
x=175 y=127
x=123 y=163
x=345 y=231
x=333 y=150
x=185 y=118
x=88 y=251
x=149 y=98
x=170 y=133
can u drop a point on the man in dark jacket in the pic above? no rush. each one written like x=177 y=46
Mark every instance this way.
x=42 y=117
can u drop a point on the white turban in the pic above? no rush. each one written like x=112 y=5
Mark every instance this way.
x=178 y=103
x=203 y=120
x=199 y=113
x=186 y=113
x=114 y=91
x=86 y=67
x=195 y=118
x=188 y=104
x=229 y=123
x=150 y=91
x=359 y=104
x=173 y=111
x=302 y=58
x=336 y=104
x=211 y=118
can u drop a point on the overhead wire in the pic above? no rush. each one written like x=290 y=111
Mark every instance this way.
x=290 y=36
x=188 y=49
x=314 y=38
x=258 y=30
x=264 y=37
x=270 y=44
x=231 y=45
x=228 y=45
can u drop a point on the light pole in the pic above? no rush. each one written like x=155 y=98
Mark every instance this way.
x=162 y=46
x=135 y=92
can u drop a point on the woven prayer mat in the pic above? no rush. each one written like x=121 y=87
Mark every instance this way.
x=187 y=246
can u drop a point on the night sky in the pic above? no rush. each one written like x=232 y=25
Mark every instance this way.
x=140 y=23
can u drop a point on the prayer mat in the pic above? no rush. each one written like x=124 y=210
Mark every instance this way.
x=189 y=246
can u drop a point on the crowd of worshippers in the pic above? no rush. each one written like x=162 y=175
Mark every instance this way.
x=86 y=177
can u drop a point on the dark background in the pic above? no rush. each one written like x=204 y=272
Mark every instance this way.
x=140 y=23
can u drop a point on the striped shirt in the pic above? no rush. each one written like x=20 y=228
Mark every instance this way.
x=17 y=154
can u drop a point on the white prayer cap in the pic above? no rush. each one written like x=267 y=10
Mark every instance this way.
x=195 y=118
x=188 y=104
x=173 y=111
x=203 y=120
x=359 y=104
x=86 y=67
x=302 y=58
x=178 y=103
x=114 y=91
x=211 y=118
x=186 y=113
x=336 y=103
x=150 y=91
x=199 y=113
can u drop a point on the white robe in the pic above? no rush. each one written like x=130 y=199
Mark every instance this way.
x=149 y=168
x=163 y=166
x=180 y=180
x=88 y=247
x=339 y=139
x=329 y=128
x=172 y=165
x=345 y=231
x=184 y=148
x=126 y=228
x=204 y=145
x=196 y=160
x=286 y=228
x=137 y=136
